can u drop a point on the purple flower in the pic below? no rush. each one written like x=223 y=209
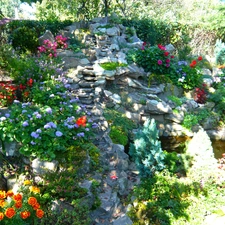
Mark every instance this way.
x=33 y=143
x=7 y=115
x=159 y=62
x=24 y=111
x=80 y=134
x=94 y=125
x=25 y=124
x=58 y=133
x=38 y=131
x=50 y=125
x=48 y=110
x=34 y=135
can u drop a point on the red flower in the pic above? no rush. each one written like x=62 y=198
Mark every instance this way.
x=30 y=82
x=193 y=63
x=82 y=121
x=199 y=58
x=10 y=212
x=166 y=53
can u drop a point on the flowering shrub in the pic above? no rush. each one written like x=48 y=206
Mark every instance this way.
x=22 y=207
x=189 y=75
x=49 y=48
x=44 y=129
x=10 y=91
x=154 y=59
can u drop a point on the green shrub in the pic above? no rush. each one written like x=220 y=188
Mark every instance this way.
x=120 y=126
x=146 y=150
x=24 y=39
x=154 y=59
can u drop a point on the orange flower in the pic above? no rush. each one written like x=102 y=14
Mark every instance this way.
x=18 y=204
x=32 y=201
x=1 y=215
x=10 y=212
x=24 y=214
x=2 y=203
x=34 y=189
x=36 y=206
x=81 y=121
x=18 y=197
x=39 y=213
x=2 y=194
x=9 y=193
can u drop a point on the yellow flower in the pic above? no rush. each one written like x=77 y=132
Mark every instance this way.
x=34 y=189
x=26 y=182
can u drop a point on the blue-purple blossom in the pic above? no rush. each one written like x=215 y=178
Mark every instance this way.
x=25 y=124
x=94 y=125
x=7 y=115
x=33 y=143
x=38 y=131
x=48 y=110
x=87 y=129
x=58 y=133
x=50 y=125
x=80 y=134
x=24 y=111
x=34 y=135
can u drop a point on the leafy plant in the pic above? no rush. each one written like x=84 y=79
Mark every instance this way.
x=176 y=100
x=120 y=126
x=189 y=76
x=163 y=199
x=44 y=130
x=112 y=65
x=193 y=118
x=154 y=59
x=146 y=150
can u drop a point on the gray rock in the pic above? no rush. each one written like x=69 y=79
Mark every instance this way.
x=125 y=220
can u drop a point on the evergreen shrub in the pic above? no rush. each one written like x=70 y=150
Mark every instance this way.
x=146 y=150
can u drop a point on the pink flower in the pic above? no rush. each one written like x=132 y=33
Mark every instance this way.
x=113 y=177
x=159 y=62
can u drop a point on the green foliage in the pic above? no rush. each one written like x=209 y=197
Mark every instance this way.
x=118 y=135
x=112 y=65
x=24 y=39
x=171 y=161
x=44 y=130
x=189 y=75
x=79 y=214
x=175 y=99
x=218 y=97
x=193 y=118
x=120 y=126
x=154 y=59
x=146 y=150
x=163 y=199
x=24 y=33
x=219 y=52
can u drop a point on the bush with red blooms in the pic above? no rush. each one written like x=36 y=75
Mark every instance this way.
x=9 y=92
x=200 y=94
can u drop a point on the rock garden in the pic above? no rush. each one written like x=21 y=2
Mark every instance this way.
x=82 y=114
